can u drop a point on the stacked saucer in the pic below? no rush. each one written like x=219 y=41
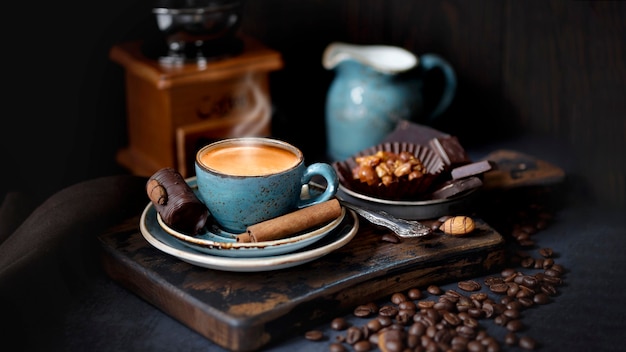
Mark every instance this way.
x=218 y=249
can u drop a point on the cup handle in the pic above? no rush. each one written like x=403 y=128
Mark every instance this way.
x=432 y=61
x=332 y=183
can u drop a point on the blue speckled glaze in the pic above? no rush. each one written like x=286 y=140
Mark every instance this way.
x=369 y=96
x=237 y=202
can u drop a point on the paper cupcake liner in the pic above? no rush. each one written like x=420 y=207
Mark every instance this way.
x=403 y=189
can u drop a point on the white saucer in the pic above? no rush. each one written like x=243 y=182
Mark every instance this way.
x=157 y=237
x=221 y=243
x=214 y=240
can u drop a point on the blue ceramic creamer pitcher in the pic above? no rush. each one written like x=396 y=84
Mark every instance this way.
x=374 y=88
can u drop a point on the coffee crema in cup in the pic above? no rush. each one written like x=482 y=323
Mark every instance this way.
x=249 y=160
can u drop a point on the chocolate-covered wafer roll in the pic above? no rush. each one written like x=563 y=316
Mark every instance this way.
x=176 y=202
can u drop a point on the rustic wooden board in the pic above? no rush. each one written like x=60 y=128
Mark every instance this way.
x=245 y=311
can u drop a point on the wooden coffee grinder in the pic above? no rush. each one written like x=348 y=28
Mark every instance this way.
x=180 y=99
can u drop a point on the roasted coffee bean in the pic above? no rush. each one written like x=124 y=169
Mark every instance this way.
x=488 y=309
x=527 y=262
x=443 y=336
x=459 y=343
x=444 y=305
x=552 y=273
x=475 y=346
x=362 y=346
x=548 y=289
x=374 y=325
x=514 y=305
x=527 y=343
x=362 y=311
x=388 y=311
x=391 y=341
x=469 y=285
x=385 y=321
x=314 y=335
x=530 y=281
x=434 y=290
x=538 y=263
x=546 y=252
x=501 y=320
x=431 y=330
x=527 y=243
x=512 y=313
x=510 y=339
x=547 y=263
x=414 y=294
x=337 y=347
x=479 y=296
x=513 y=289
x=417 y=328
x=553 y=280
x=353 y=335
x=506 y=299
x=398 y=297
x=412 y=341
x=499 y=288
x=405 y=316
x=541 y=298
x=526 y=302
x=407 y=305
x=339 y=324
x=508 y=272
x=558 y=268
x=475 y=313
x=451 y=318
x=493 y=280
x=466 y=331
x=425 y=304
x=391 y=238
x=471 y=323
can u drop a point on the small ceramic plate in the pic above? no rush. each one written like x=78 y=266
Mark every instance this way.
x=219 y=242
x=161 y=240
x=214 y=240
x=411 y=210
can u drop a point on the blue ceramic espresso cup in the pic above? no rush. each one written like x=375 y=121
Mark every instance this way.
x=244 y=181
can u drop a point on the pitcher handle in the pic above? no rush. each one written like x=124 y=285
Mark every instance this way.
x=432 y=61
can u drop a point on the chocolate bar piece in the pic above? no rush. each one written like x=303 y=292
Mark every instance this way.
x=450 y=150
x=472 y=169
x=176 y=202
x=415 y=133
x=452 y=188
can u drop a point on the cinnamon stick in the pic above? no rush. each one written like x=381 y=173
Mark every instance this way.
x=292 y=223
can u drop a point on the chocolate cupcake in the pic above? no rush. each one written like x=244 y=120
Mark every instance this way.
x=175 y=201
x=392 y=171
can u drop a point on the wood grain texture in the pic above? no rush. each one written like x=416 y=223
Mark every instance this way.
x=244 y=311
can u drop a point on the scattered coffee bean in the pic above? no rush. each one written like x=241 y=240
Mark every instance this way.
x=314 y=335
x=452 y=320
x=469 y=285
x=527 y=343
x=434 y=290
x=391 y=238
x=337 y=347
x=339 y=324
x=362 y=346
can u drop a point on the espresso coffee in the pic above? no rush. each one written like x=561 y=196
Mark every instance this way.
x=249 y=160
x=247 y=180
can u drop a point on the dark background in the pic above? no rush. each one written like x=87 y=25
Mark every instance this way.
x=554 y=69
